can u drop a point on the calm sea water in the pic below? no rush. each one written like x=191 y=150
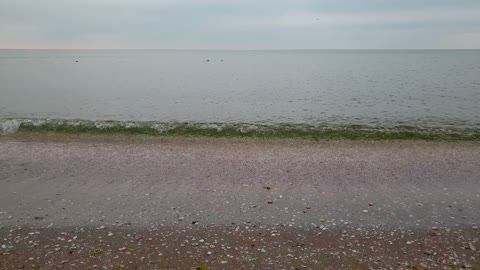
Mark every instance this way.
x=436 y=88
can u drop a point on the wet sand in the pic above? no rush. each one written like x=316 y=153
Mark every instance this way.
x=155 y=203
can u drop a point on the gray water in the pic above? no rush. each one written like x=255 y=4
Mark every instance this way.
x=432 y=88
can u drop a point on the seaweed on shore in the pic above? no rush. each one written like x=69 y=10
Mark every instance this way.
x=241 y=130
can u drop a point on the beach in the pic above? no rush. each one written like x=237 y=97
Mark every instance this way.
x=231 y=135
x=149 y=202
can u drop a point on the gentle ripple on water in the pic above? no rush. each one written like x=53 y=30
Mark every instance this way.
x=438 y=88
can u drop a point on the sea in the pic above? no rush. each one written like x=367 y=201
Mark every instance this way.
x=439 y=88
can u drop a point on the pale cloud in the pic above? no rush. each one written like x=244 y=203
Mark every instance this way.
x=239 y=24
x=466 y=40
x=359 y=18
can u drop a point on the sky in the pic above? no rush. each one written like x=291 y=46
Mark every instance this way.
x=240 y=24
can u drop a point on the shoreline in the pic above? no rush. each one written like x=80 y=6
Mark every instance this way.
x=241 y=130
x=137 y=139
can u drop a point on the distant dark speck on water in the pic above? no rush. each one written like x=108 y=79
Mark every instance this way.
x=208 y=60
x=76 y=61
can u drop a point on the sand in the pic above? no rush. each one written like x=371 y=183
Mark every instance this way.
x=119 y=202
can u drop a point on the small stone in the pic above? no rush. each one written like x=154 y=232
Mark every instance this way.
x=267 y=188
x=365 y=211
x=122 y=249
x=270 y=202
x=181 y=218
x=370 y=204
x=475 y=227
x=428 y=252
x=194 y=222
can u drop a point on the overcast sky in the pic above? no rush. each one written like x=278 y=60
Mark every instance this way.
x=240 y=24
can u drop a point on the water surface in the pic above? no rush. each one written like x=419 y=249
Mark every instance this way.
x=435 y=88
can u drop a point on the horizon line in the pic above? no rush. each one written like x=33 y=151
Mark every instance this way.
x=170 y=49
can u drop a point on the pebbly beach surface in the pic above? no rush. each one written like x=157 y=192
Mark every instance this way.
x=139 y=202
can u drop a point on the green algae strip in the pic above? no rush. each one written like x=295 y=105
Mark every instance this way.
x=239 y=130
